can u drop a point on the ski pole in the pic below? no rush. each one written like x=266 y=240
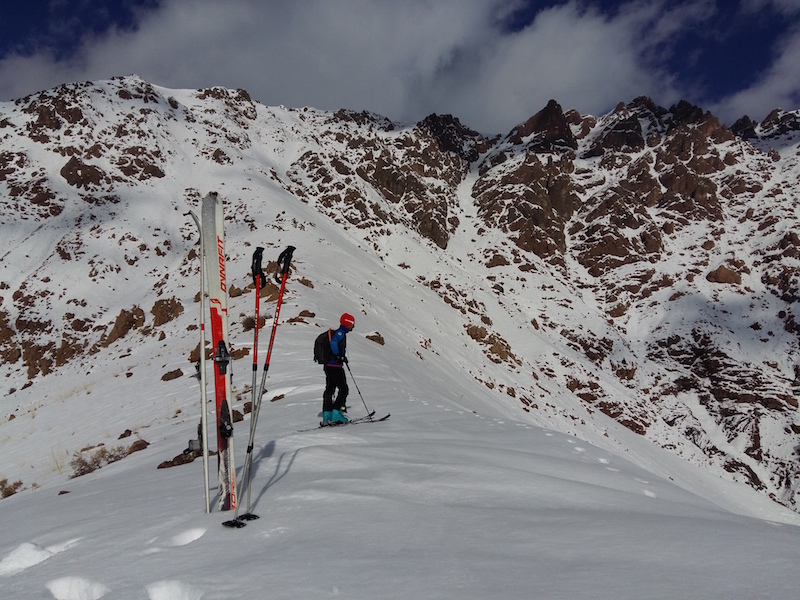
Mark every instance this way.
x=283 y=264
x=202 y=369
x=358 y=390
x=281 y=273
x=259 y=281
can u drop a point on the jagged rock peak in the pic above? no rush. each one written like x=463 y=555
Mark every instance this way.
x=628 y=126
x=548 y=130
x=780 y=122
x=364 y=118
x=687 y=114
x=646 y=103
x=745 y=128
x=453 y=136
x=777 y=124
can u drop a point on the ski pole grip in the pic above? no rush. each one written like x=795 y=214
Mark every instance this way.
x=256 y=268
x=284 y=260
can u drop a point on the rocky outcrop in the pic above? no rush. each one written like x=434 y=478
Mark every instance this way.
x=546 y=131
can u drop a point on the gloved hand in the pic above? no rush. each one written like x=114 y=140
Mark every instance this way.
x=342 y=359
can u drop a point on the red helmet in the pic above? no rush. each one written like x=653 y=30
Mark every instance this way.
x=348 y=320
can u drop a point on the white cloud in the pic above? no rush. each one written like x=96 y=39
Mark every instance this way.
x=20 y=75
x=579 y=57
x=779 y=87
x=400 y=59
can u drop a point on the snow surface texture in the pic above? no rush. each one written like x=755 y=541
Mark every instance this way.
x=436 y=502
x=461 y=494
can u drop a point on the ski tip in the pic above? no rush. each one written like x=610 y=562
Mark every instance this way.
x=234 y=524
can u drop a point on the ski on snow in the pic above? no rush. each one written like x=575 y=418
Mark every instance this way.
x=366 y=419
x=214 y=250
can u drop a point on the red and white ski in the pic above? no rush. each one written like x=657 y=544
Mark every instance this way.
x=214 y=246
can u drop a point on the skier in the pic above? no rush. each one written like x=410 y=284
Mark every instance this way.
x=333 y=412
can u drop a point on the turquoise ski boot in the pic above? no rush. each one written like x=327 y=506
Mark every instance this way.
x=338 y=417
x=326 y=418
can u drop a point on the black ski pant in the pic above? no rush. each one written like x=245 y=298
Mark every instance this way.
x=334 y=380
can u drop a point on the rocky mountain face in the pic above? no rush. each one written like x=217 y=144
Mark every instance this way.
x=646 y=262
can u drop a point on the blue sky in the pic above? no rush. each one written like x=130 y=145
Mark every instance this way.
x=492 y=63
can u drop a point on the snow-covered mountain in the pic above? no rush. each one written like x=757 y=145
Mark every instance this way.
x=578 y=273
x=584 y=332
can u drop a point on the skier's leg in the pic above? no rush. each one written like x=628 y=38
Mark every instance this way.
x=327 y=395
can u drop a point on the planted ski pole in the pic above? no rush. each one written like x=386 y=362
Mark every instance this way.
x=369 y=413
x=259 y=280
x=281 y=273
x=202 y=368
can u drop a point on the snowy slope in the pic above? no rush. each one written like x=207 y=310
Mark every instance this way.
x=437 y=502
x=491 y=479
x=99 y=272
